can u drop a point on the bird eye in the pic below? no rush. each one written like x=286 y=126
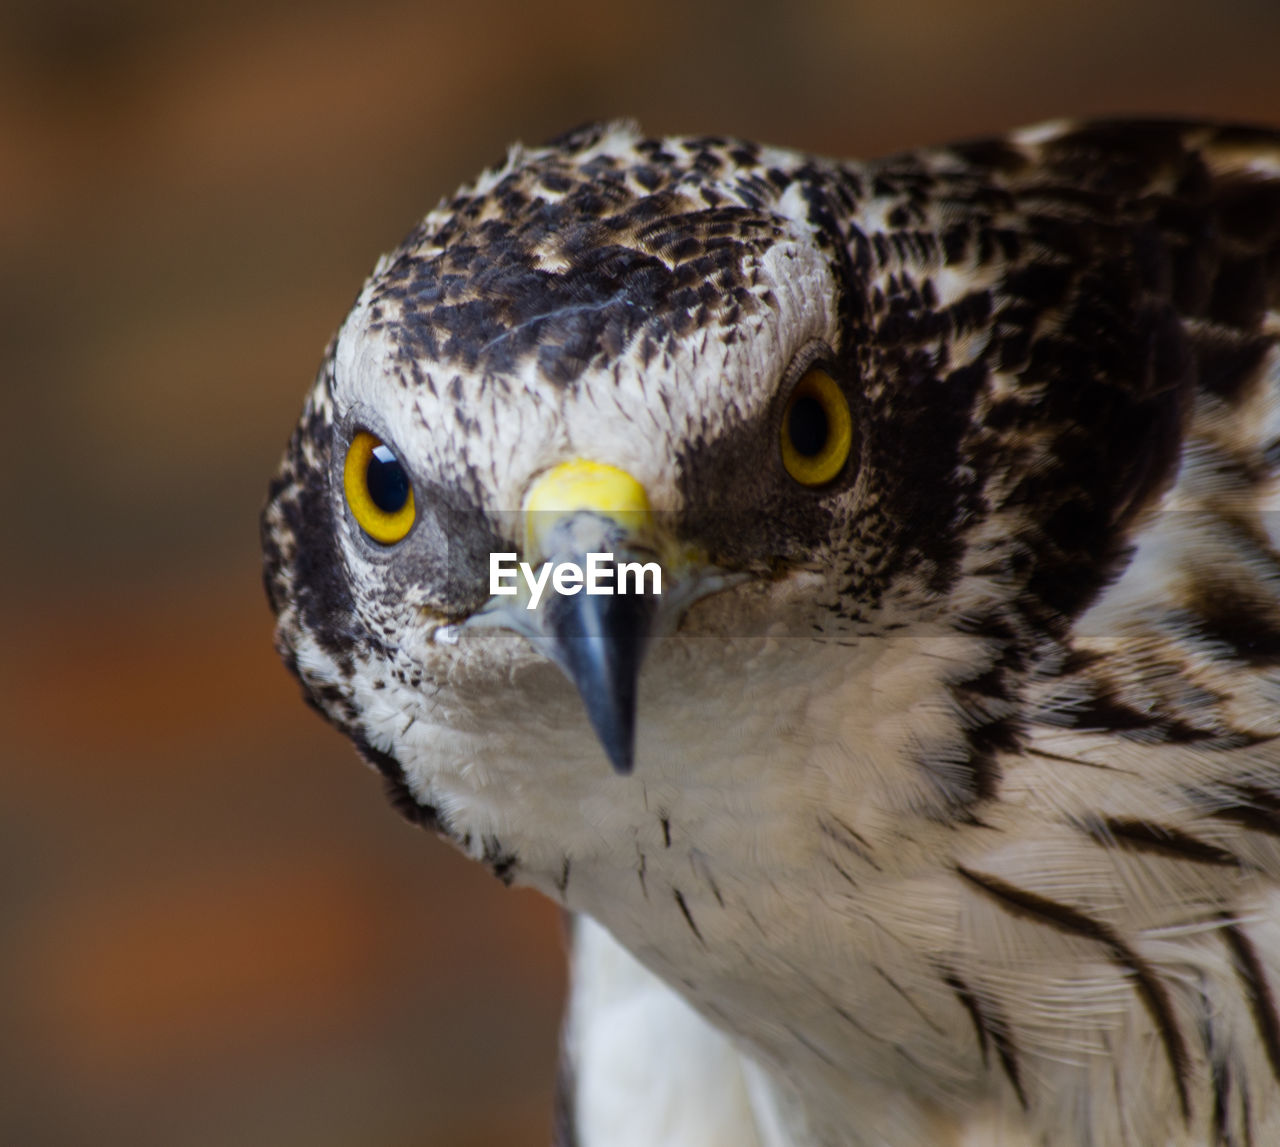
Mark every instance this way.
x=817 y=430
x=378 y=489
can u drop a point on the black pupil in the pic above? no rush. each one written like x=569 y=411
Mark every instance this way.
x=388 y=483
x=807 y=426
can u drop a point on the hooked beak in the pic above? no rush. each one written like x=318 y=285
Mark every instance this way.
x=597 y=624
x=600 y=643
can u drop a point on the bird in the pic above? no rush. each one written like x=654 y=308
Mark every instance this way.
x=933 y=798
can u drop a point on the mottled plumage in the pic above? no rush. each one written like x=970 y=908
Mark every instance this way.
x=955 y=811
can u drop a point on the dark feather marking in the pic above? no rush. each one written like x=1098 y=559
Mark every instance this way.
x=1148 y=836
x=1220 y=1083
x=397 y=787
x=1217 y=1055
x=853 y=883
x=495 y=305
x=1257 y=991
x=855 y=835
x=702 y=870
x=1242 y=618
x=562 y=881
x=1003 y=1039
x=1227 y=362
x=860 y=1027
x=989 y=1024
x=1019 y=902
x=501 y=860
x=1072 y=760
x=847 y=838
x=1117 y=1091
x=688 y=916
x=1106 y=713
x=310 y=571
x=1259 y=810
x=970 y=1004
x=666 y=830
x=409 y=807
x=909 y=1001
x=801 y=1038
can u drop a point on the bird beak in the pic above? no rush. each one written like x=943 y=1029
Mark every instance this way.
x=592 y=590
x=600 y=642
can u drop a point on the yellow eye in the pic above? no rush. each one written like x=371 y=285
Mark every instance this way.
x=817 y=430
x=378 y=489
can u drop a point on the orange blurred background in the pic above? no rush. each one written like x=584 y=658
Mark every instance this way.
x=212 y=928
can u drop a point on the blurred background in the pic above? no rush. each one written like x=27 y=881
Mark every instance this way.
x=213 y=930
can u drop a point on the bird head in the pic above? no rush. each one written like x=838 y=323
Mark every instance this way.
x=765 y=379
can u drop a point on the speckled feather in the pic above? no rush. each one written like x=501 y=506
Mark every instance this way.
x=991 y=854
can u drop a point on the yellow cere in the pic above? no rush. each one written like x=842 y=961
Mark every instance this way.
x=584 y=485
x=387 y=526
x=815 y=463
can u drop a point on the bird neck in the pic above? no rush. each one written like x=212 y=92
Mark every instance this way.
x=810 y=799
